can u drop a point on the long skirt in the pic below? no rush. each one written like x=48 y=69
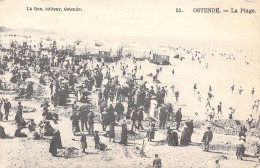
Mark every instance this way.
x=59 y=144
x=184 y=138
x=53 y=146
x=173 y=139
x=123 y=138
x=75 y=127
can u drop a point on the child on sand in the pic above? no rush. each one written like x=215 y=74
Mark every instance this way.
x=207 y=137
x=83 y=142
x=217 y=164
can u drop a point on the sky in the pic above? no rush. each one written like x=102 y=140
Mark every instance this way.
x=151 y=18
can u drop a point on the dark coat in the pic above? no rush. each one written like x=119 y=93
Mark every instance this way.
x=58 y=139
x=134 y=115
x=103 y=105
x=185 y=136
x=7 y=106
x=190 y=126
x=119 y=108
x=140 y=115
x=83 y=115
x=91 y=118
x=96 y=138
x=105 y=119
x=207 y=137
x=124 y=134
x=178 y=116
x=163 y=114
x=75 y=122
x=157 y=163
x=53 y=146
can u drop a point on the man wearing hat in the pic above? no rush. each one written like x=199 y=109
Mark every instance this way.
x=140 y=117
x=151 y=92
x=207 y=137
x=7 y=106
x=163 y=116
x=83 y=116
x=91 y=122
x=119 y=108
x=178 y=118
x=20 y=109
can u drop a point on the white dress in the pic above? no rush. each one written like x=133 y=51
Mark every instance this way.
x=153 y=108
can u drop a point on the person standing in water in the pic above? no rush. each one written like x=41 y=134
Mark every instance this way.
x=253 y=92
x=232 y=88
x=195 y=88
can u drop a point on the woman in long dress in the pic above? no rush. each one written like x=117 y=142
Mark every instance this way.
x=57 y=134
x=185 y=136
x=124 y=134
x=54 y=146
x=153 y=108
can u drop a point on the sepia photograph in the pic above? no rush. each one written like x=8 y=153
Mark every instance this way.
x=129 y=84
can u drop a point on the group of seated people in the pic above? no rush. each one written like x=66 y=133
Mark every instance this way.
x=21 y=123
x=44 y=128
